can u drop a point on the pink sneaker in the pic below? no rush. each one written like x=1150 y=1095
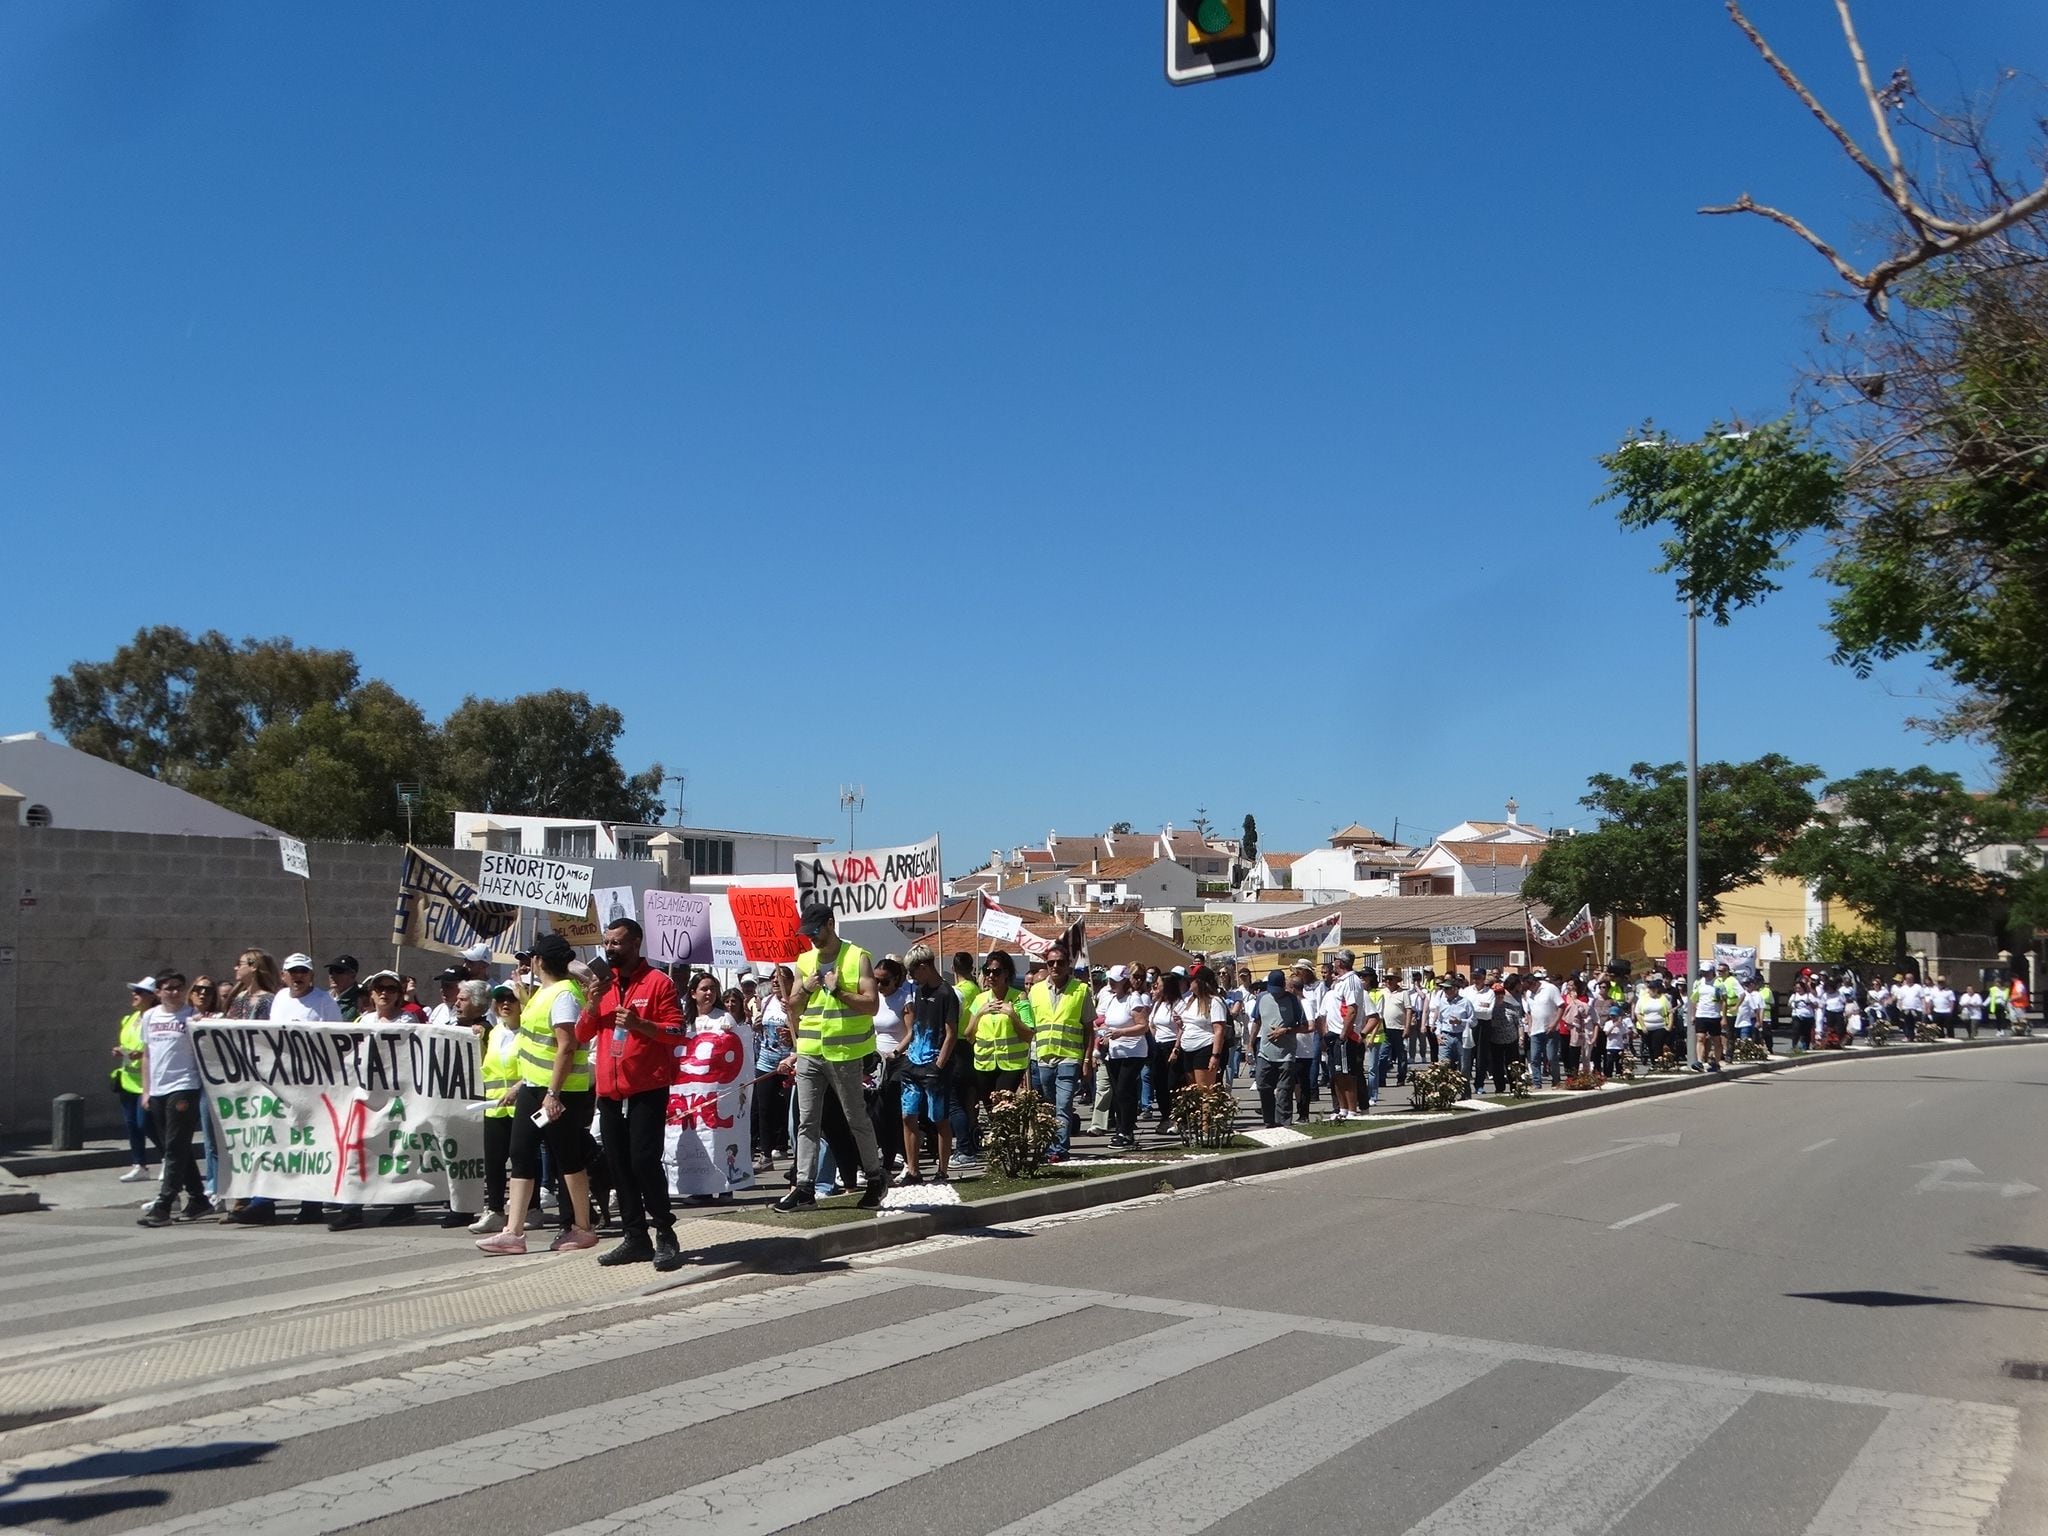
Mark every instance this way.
x=504 y=1242
x=571 y=1240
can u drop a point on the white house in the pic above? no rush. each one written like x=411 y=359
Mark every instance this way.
x=1130 y=885
x=1470 y=868
x=715 y=853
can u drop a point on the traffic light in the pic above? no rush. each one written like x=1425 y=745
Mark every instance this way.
x=1206 y=39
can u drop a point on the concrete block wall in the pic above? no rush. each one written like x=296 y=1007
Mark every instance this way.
x=85 y=913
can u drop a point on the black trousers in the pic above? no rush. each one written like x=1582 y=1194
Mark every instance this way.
x=1274 y=1088
x=885 y=1110
x=1494 y=1058
x=1124 y=1081
x=1163 y=1082
x=497 y=1157
x=1300 y=1074
x=771 y=1114
x=633 y=1130
x=177 y=1122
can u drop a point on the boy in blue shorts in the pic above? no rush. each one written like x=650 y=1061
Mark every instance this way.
x=928 y=1062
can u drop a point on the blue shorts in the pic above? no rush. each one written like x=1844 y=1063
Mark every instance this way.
x=926 y=1101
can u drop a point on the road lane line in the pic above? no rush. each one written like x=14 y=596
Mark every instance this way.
x=1655 y=1210
x=1819 y=1144
x=1584 y=1475
x=148 y=1258
x=1209 y=1478
x=407 y=1483
x=1934 y=1469
x=787 y=1491
x=153 y=1290
x=168 y=1448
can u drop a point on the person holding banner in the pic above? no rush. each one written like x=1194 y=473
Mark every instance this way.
x=637 y=1024
x=386 y=990
x=554 y=1104
x=171 y=1090
x=835 y=1002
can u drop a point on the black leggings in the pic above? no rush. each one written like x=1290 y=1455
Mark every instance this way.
x=567 y=1135
x=497 y=1152
x=771 y=1113
x=1162 y=1080
x=1124 y=1072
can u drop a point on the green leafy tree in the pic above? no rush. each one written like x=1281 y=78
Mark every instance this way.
x=172 y=706
x=544 y=754
x=1901 y=846
x=1249 y=849
x=332 y=773
x=1633 y=863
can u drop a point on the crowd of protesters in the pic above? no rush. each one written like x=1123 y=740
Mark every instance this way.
x=862 y=1068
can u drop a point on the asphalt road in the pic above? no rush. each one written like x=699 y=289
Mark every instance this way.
x=1785 y=1304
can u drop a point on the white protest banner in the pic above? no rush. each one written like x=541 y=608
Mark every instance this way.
x=1739 y=958
x=877 y=883
x=678 y=927
x=293 y=854
x=1253 y=942
x=361 y=1114
x=710 y=1145
x=439 y=910
x=1578 y=929
x=614 y=903
x=1451 y=938
x=534 y=880
x=1003 y=927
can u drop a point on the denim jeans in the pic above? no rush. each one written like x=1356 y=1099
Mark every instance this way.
x=1457 y=1055
x=140 y=1126
x=1546 y=1051
x=1056 y=1080
x=1271 y=1077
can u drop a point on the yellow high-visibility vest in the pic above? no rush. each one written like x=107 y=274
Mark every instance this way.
x=999 y=1045
x=1060 y=1036
x=128 y=1075
x=501 y=1069
x=537 y=1041
x=829 y=1026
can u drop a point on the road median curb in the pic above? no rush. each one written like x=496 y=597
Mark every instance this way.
x=824 y=1244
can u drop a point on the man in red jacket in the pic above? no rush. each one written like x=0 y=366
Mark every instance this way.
x=637 y=1023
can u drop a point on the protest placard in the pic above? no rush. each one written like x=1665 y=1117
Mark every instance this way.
x=362 y=1114
x=579 y=930
x=678 y=927
x=613 y=902
x=878 y=883
x=1451 y=938
x=534 y=880
x=1305 y=939
x=1003 y=927
x=710 y=1146
x=728 y=952
x=292 y=853
x=765 y=919
x=1206 y=933
x=440 y=911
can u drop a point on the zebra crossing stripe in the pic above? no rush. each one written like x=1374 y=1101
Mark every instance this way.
x=1935 y=1469
x=787 y=1491
x=1576 y=1480
x=448 y=1471
x=145 y=1453
x=153 y=1290
x=132 y=1259
x=1208 y=1478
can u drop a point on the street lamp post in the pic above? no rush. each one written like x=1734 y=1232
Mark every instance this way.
x=1692 y=822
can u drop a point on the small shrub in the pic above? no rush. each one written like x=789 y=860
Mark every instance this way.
x=1666 y=1062
x=1519 y=1081
x=1016 y=1129
x=1925 y=1031
x=1437 y=1089
x=1205 y=1117
x=1626 y=1068
x=1583 y=1080
x=1879 y=1030
x=1752 y=1050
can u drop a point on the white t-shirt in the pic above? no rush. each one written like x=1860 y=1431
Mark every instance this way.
x=173 y=1064
x=1199 y=1022
x=567 y=1010
x=1971 y=1005
x=1116 y=1013
x=1545 y=1004
x=1653 y=1010
x=889 y=1013
x=1911 y=998
x=1348 y=989
x=441 y=1013
x=316 y=1007
x=1165 y=1022
x=1706 y=999
x=1942 y=1000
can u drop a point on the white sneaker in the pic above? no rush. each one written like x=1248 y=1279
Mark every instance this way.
x=149 y=1205
x=488 y=1223
x=135 y=1175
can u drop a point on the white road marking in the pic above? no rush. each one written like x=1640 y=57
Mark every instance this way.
x=153 y=1290
x=1209 y=1478
x=1935 y=1469
x=786 y=1491
x=1584 y=1475
x=149 y=1451
x=1941 y=1175
x=1829 y=1142
x=1655 y=1210
x=131 y=1259
x=1626 y=1144
x=408 y=1483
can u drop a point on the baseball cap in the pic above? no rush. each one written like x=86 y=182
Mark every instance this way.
x=552 y=946
x=342 y=963
x=297 y=962
x=479 y=954
x=451 y=976
x=1347 y=957
x=1119 y=973
x=504 y=989
x=1540 y=972
x=387 y=974
x=814 y=920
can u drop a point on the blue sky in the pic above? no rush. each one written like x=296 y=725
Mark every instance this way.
x=1087 y=449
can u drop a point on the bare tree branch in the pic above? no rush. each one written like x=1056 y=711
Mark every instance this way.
x=1901 y=191
x=1747 y=204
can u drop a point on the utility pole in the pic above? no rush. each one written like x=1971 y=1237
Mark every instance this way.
x=678 y=780
x=852 y=800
